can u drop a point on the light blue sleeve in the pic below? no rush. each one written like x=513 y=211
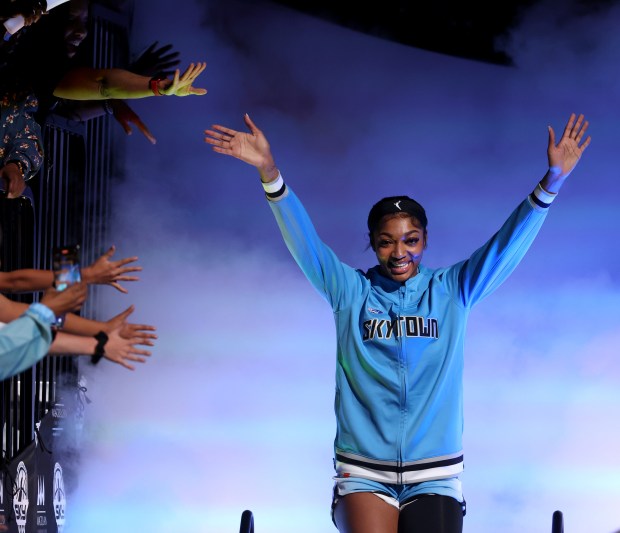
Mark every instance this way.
x=333 y=279
x=25 y=340
x=491 y=264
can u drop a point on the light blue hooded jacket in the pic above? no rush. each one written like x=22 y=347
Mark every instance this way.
x=399 y=373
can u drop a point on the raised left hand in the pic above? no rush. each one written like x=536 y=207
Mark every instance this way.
x=564 y=156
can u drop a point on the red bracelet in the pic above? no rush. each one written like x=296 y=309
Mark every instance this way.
x=154 y=85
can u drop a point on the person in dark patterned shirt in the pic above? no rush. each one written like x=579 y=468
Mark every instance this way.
x=21 y=150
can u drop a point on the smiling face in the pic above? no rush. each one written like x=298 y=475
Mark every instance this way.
x=76 y=29
x=399 y=243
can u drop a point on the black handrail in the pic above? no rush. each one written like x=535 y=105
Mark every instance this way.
x=247 y=522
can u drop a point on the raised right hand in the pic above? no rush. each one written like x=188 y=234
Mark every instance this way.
x=252 y=148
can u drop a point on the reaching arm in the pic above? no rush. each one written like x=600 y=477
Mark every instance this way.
x=10 y=310
x=26 y=337
x=83 y=326
x=84 y=110
x=100 y=84
x=103 y=271
x=59 y=302
x=118 y=349
x=26 y=280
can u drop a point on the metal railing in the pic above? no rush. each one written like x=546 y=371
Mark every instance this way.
x=66 y=202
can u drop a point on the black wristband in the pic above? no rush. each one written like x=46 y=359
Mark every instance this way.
x=102 y=338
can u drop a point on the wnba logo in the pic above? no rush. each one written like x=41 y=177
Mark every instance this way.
x=59 y=498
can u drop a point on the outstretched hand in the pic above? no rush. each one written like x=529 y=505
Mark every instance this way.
x=182 y=85
x=564 y=156
x=104 y=271
x=252 y=148
x=124 y=115
x=143 y=332
x=123 y=351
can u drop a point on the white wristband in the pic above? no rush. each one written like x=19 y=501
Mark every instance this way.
x=274 y=186
x=544 y=196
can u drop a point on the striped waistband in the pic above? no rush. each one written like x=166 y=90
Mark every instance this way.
x=444 y=466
